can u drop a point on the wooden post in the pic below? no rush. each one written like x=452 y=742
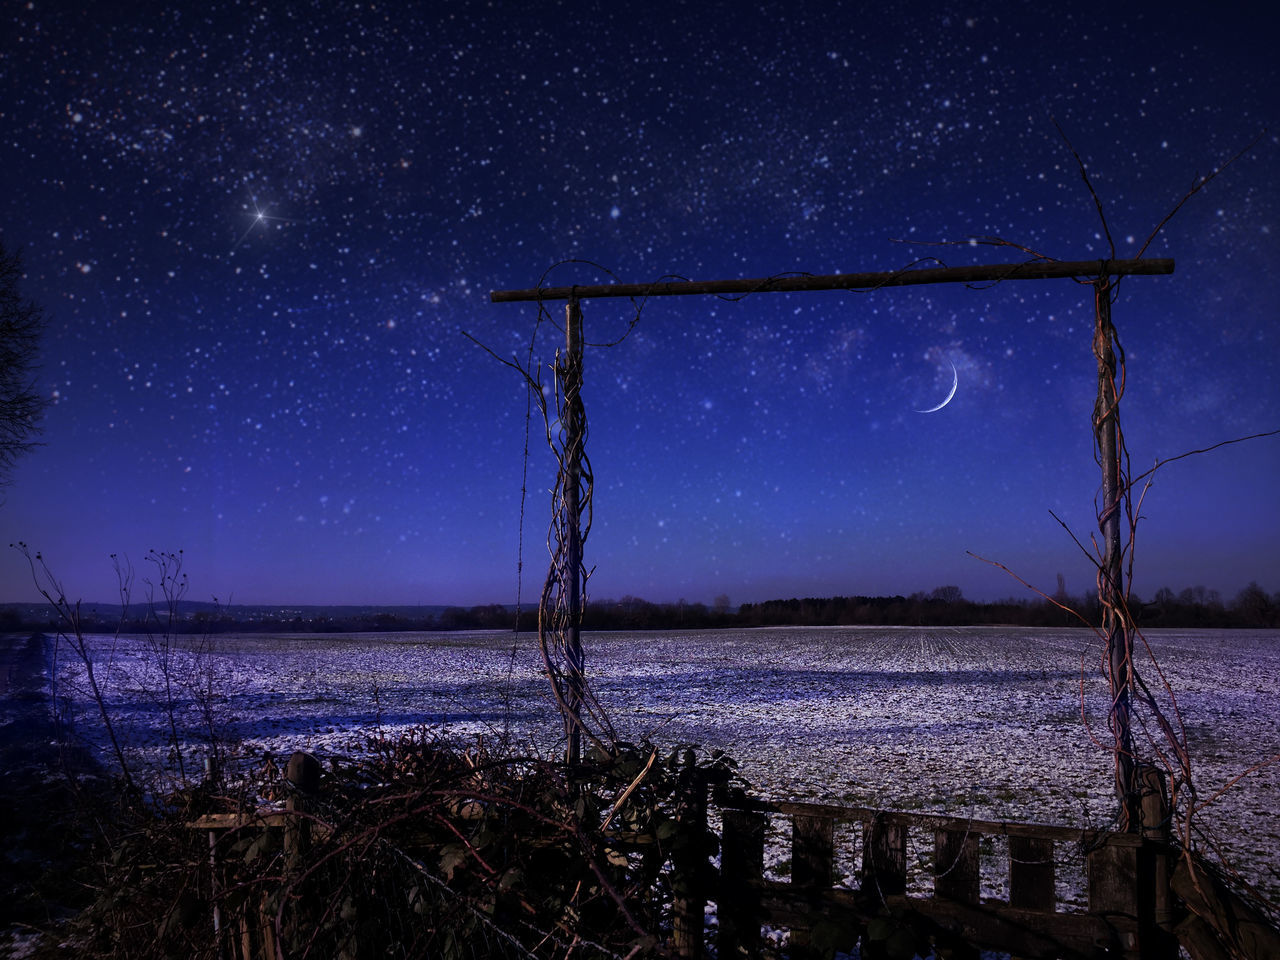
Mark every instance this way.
x=574 y=427
x=303 y=776
x=1156 y=905
x=1113 y=886
x=812 y=869
x=884 y=857
x=689 y=867
x=1031 y=874
x=955 y=865
x=303 y=773
x=955 y=877
x=1115 y=620
x=812 y=852
x=741 y=873
x=211 y=777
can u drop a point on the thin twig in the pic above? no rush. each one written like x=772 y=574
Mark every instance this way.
x=1192 y=453
x=1199 y=184
x=1084 y=175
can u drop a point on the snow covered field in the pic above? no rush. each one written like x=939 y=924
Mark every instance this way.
x=983 y=722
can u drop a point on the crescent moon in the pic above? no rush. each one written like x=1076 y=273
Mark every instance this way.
x=955 y=382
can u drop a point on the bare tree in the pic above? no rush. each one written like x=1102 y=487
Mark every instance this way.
x=21 y=325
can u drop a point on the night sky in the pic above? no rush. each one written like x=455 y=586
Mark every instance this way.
x=259 y=231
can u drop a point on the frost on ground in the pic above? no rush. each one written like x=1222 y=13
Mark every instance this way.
x=976 y=721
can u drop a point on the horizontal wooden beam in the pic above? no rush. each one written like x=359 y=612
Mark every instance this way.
x=930 y=821
x=991 y=925
x=989 y=273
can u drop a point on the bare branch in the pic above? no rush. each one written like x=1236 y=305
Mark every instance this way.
x=1084 y=175
x=1036 y=590
x=1199 y=184
x=1092 y=558
x=1192 y=453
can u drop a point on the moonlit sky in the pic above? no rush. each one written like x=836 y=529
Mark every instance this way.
x=259 y=230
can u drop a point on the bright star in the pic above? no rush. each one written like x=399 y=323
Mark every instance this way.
x=259 y=216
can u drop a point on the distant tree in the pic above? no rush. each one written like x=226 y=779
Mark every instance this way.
x=21 y=325
x=1199 y=596
x=721 y=604
x=1254 y=607
x=947 y=594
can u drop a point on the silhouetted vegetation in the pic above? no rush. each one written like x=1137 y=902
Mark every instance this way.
x=413 y=847
x=1193 y=607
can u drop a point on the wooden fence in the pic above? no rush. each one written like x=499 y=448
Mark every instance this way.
x=1125 y=906
x=829 y=875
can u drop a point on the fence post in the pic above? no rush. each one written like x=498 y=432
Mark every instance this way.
x=1031 y=874
x=741 y=873
x=884 y=857
x=575 y=436
x=211 y=777
x=1114 y=883
x=1113 y=597
x=812 y=869
x=1156 y=896
x=955 y=865
x=689 y=867
x=955 y=877
x=303 y=773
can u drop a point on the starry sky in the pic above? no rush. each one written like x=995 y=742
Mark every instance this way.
x=259 y=232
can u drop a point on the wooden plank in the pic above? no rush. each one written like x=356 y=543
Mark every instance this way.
x=741 y=878
x=988 y=273
x=1113 y=879
x=991 y=925
x=690 y=866
x=812 y=852
x=813 y=870
x=1112 y=871
x=1199 y=939
x=930 y=821
x=1246 y=931
x=955 y=865
x=955 y=877
x=1029 y=926
x=1031 y=874
x=235 y=821
x=884 y=857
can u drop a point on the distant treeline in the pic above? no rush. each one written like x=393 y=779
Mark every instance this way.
x=945 y=606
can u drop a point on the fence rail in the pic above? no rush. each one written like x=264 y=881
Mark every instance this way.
x=926 y=877
x=1032 y=921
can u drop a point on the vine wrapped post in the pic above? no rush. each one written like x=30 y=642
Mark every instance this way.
x=574 y=425
x=1111 y=594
